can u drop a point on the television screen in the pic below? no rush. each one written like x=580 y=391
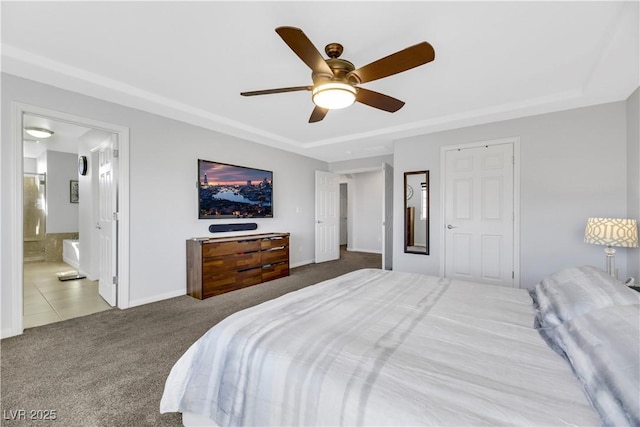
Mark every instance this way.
x=228 y=191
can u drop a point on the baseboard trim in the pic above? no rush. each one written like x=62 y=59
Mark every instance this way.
x=156 y=298
x=369 y=251
x=174 y=294
x=7 y=333
x=301 y=263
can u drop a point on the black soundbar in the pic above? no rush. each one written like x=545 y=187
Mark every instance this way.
x=221 y=228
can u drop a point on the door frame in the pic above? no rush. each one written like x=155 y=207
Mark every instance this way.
x=15 y=208
x=387 y=216
x=345 y=186
x=352 y=204
x=515 y=142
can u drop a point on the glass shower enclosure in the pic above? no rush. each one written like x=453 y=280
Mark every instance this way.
x=35 y=214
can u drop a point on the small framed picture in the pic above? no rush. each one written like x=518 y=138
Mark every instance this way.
x=74 y=193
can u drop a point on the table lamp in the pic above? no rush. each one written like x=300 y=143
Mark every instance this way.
x=612 y=232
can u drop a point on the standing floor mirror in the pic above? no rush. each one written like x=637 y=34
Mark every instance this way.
x=416 y=212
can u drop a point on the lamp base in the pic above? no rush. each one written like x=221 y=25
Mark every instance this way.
x=610 y=261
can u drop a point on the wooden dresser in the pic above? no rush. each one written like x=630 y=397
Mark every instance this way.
x=224 y=264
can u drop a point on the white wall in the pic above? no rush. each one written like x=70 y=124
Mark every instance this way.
x=365 y=211
x=573 y=166
x=30 y=165
x=62 y=215
x=163 y=194
x=164 y=199
x=360 y=165
x=364 y=219
x=633 y=176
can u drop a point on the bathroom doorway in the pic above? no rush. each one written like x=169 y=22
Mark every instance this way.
x=13 y=307
x=60 y=280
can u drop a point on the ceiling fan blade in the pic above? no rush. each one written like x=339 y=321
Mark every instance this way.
x=378 y=100
x=302 y=46
x=395 y=63
x=280 y=90
x=318 y=114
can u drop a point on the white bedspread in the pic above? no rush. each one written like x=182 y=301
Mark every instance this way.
x=377 y=347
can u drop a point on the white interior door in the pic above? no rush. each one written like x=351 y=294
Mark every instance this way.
x=327 y=216
x=387 y=217
x=479 y=214
x=107 y=221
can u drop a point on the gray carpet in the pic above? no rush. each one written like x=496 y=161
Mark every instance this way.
x=109 y=368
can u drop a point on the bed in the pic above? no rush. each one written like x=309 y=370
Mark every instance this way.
x=376 y=347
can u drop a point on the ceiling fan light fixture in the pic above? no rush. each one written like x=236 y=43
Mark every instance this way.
x=39 y=132
x=333 y=95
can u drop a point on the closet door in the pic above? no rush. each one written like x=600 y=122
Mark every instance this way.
x=479 y=214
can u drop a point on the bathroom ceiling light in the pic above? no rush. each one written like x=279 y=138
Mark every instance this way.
x=39 y=132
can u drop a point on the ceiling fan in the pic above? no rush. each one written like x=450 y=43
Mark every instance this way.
x=336 y=80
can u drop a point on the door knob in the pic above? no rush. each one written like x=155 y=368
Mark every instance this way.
x=451 y=226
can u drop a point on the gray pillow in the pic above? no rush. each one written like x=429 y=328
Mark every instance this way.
x=603 y=348
x=575 y=291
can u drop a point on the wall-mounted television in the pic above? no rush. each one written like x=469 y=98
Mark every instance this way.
x=230 y=191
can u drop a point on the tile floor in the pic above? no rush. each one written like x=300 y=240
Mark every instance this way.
x=49 y=300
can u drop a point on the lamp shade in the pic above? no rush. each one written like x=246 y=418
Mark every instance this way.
x=333 y=95
x=612 y=232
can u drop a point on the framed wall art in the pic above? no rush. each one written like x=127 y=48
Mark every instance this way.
x=74 y=192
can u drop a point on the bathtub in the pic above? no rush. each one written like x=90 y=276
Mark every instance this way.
x=71 y=252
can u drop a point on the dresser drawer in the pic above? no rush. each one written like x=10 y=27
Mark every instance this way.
x=275 y=255
x=225 y=282
x=232 y=262
x=275 y=271
x=232 y=247
x=274 y=243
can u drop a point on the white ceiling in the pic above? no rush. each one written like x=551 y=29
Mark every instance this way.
x=65 y=137
x=190 y=60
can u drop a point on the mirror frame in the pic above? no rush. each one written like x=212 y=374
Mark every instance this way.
x=405 y=221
